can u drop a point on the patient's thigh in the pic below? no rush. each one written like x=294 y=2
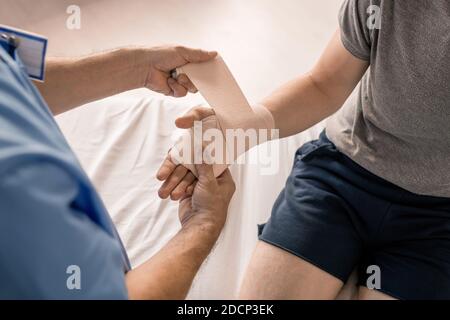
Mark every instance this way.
x=368 y=294
x=275 y=274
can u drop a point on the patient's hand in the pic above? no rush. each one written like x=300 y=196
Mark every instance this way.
x=178 y=180
x=162 y=60
x=208 y=206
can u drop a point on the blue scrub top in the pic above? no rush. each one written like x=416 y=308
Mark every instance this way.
x=51 y=217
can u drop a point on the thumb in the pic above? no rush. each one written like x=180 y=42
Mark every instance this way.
x=195 y=114
x=185 y=122
x=196 y=55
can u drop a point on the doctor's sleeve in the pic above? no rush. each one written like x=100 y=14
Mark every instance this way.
x=49 y=249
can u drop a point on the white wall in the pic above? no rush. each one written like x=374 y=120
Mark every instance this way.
x=265 y=42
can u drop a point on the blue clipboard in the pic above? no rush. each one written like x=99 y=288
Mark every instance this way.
x=31 y=49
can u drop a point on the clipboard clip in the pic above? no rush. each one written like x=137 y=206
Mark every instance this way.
x=13 y=42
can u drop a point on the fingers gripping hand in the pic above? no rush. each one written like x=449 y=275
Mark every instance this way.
x=162 y=60
x=210 y=199
x=177 y=179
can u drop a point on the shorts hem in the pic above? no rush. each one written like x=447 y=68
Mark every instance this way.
x=309 y=260
x=387 y=292
x=325 y=269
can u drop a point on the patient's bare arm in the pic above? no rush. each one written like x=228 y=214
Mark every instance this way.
x=309 y=99
x=169 y=274
x=71 y=82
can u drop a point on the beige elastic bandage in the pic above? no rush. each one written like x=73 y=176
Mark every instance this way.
x=233 y=118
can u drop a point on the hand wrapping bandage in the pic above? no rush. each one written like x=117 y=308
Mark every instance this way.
x=235 y=128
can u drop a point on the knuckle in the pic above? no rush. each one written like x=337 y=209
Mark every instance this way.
x=179 y=48
x=197 y=112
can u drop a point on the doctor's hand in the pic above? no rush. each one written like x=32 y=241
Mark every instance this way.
x=207 y=208
x=178 y=181
x=162 y=60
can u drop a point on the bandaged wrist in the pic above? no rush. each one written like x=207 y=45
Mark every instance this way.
x=236 y=127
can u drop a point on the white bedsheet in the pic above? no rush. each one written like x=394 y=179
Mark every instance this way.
x=122 y=140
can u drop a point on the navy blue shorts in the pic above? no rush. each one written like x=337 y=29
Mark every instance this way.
x=338 y=216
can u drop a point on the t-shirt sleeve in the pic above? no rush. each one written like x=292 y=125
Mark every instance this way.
x=50 y=249
x=355 y=33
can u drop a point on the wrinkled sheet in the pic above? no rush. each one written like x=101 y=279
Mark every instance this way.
x=122 y=140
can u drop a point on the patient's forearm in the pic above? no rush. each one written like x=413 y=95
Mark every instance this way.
x=71 y=82
x=169 y=274
x=313 y=97
x=298 y=105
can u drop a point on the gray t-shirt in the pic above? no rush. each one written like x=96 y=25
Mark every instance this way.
x=397 y=125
